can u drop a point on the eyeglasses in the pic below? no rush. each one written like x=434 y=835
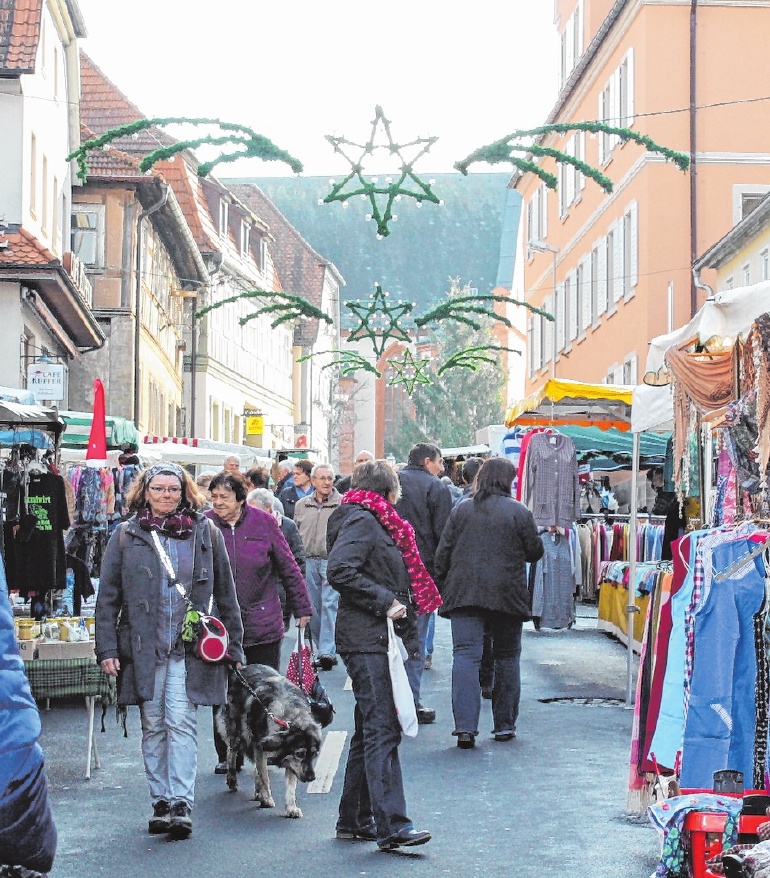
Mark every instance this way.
x=157 y=489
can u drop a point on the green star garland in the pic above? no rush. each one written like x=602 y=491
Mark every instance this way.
x=502 y=151
x=355 y=183
x=348 y=362
x=409 y=371
x=288 y=307
x=249 y=145
x=473 y=358
x=378 y=320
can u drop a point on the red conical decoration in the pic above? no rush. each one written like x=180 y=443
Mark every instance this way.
x=96 y=455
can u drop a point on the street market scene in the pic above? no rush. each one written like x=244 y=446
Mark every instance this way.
x=384 y=439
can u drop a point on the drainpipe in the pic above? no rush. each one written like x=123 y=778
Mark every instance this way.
x=138 y=294
x=693 y=159
x=698 y=283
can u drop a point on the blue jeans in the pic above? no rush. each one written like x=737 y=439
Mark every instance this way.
x=468 y=646
x=415 y=667
x=430 y=635
x=169 y=736
x=373 y=790
x=325 y=601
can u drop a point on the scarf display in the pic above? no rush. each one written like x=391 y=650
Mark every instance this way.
x=178 y=525
x=424 y=591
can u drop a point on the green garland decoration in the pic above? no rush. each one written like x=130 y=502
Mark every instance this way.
x=473 y=358
x=289 y=307
x=409 y=371
x=459 y=307
x=379 y=320
x=348 y=361
x=354 y=183
x=501 y=151
x=250 y=145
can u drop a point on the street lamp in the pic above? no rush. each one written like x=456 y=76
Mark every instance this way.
x=542 y=247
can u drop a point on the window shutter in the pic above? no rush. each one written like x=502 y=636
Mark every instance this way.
x=574 y=318
x=570 y=171
x=570 y=35
x=581 y=154
x=530 y=236
x=629 y=120
x=547 y=330
x=585 y=276
x=543 y=212
x=602 y=118
x=536 y=349
x=531 y=345
x=619 y=280
x=578 y=30
x=615 y=106
x=561 y=318
x=562 y=175
x=633 y=246
x=601 y=280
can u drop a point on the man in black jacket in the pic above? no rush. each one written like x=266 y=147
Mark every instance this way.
x=425 y=503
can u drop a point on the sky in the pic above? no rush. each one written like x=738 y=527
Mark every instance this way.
x=296 y=70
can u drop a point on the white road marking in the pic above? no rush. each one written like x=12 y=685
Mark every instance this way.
x=327 y=762
x=348 y=687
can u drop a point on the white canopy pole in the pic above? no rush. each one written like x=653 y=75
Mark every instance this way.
x=631 y=608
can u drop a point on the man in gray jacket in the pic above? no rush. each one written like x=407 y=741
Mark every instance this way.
x=311 y=515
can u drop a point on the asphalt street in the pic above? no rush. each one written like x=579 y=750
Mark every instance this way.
x=549 y=803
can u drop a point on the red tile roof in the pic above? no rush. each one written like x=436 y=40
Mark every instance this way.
x=18 y=247
x=19 y=35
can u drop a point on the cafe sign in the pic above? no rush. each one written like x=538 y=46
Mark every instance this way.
x=46 y=380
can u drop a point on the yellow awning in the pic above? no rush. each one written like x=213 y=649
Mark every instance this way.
x=560 y=401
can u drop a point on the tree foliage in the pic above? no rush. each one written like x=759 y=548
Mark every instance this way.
x=457 y=403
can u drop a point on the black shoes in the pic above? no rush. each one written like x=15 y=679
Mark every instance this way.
x=505 y=736
x=357 y=834
x=181 y=821
x=466 y=741
x=160 y=821
x=486 y=692
x=326 y=662
x=426 y=716
x=221 y=768
x=405 y=838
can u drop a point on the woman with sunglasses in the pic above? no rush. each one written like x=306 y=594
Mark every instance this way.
x=139 y=614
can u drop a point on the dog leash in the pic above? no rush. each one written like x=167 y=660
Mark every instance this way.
x=270 y=715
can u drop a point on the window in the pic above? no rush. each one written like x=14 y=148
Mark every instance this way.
x=55 y=214
x=571 y=293
x=245 y=236
x=571 y=43
x=586 y=293
x=764 y=265
x=559 y=316
x=548 y=331
x=87 y=234
x=537 y=215
x=44 y=190
x=224 y=217
x=749 y=202
x=579 y=291
x=746 y=197
x=616 y=105
x=670 y=310
x=746 y=273
x=33 y=176
x=625 y=77
x=629 y=369
x=594 y=284
x=729 y=283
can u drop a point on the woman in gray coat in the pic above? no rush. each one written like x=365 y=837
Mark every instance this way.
x=139 y=614
x=481 y=574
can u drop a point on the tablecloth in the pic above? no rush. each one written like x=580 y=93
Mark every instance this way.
x=69 y=678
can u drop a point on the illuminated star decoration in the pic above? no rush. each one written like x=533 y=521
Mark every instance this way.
x=247 y=144
x=394 y=187
x=378 y=320
x=409 y=371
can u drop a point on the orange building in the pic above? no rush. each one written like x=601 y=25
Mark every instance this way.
x=615 y=269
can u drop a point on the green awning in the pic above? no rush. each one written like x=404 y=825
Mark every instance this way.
x=612 y=449
x=120 y=431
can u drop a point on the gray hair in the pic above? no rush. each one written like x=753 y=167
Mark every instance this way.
x=286 y=465
x=319 y=466
x=262 y=496
x=363 y=451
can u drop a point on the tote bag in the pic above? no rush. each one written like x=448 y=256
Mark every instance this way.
x=402 y=691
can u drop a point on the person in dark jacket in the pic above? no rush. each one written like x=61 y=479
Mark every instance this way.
x=27 y=831
x=425 y=503
x=299 y=488
x=369 y=570
x=481 y=574
x=162 y=560
x=259 y=557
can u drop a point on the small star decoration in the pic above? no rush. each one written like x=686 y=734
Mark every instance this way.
x=378 y=320
x=409 y=371
x=393 y=187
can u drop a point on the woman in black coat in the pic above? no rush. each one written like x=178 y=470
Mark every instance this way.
x=368 y=569
x=481 y=574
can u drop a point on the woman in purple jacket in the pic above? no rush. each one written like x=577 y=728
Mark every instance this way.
x=260 y=557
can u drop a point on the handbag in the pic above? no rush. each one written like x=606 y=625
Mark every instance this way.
x=307 y=679
x=402 y=691
x=207 y=634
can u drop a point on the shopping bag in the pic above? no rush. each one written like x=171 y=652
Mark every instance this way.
x=308 y=674
x=402 y=691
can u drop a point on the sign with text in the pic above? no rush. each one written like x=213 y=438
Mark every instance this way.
x=255 y=425
x=46 y=380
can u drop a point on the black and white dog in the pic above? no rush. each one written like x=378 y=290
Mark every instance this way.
x=268 y=720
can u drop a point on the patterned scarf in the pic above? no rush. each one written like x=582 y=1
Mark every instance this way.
x=424 y=591
x=178 y=525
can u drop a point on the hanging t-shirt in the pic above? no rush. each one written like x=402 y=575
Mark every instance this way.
x=40 y=555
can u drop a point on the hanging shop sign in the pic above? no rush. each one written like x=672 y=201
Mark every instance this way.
x=255 y=425
x=46 y=380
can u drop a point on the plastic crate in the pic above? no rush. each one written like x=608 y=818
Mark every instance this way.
x=704 y=834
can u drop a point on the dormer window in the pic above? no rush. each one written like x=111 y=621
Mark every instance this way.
x=224 y=217
x=245 y=237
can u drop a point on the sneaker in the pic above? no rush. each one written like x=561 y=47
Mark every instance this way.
x=181 y=821
x=505 y=736
x=160 y=821
x=326 y=662
x=357 y=834
x=428 y=662
x=221 y=768
x=466 y=741
x=403 y=839
x=426 y=716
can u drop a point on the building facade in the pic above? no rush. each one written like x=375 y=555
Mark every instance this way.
x=615 y=269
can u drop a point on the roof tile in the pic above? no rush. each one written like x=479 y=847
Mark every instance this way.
x=19 y=248
x=19 y=35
